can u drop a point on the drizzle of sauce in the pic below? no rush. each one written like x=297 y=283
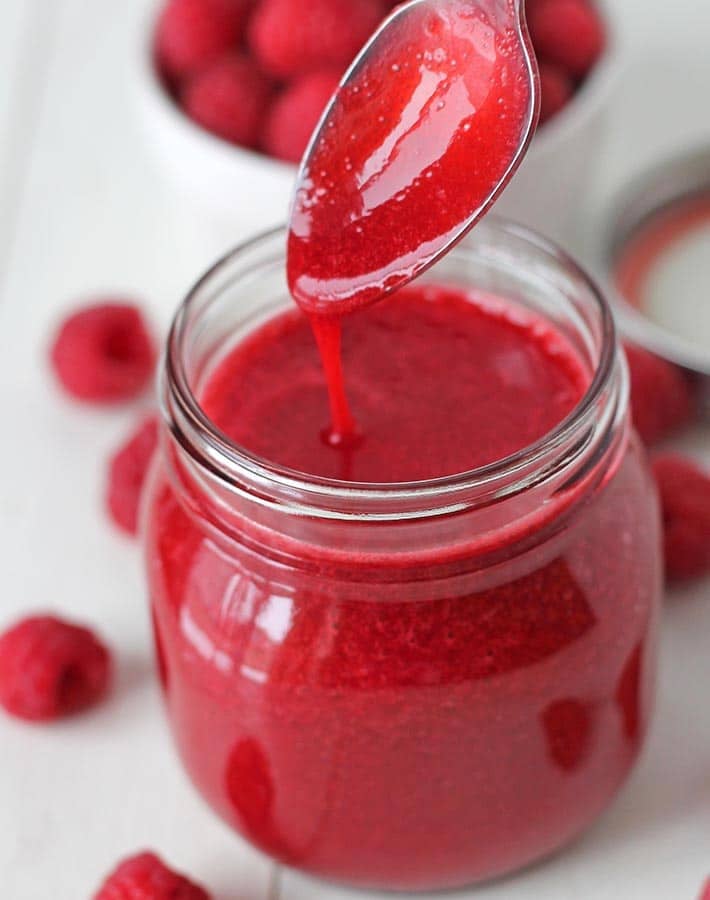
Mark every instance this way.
x=441 y=380
x=412 y=150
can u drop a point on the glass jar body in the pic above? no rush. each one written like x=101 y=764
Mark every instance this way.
x=411 y=734
x=411 y=699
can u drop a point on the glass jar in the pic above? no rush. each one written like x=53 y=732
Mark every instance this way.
x=411 y=686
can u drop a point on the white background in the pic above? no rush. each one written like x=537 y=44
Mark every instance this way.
x=82 y=209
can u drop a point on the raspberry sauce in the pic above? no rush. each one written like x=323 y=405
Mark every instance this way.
x=406 y=704
x=403 y=719
x=416 y=145
x=412 y=687
x=440 y=381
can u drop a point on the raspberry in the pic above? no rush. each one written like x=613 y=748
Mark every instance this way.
x=127 y=471
x=556 y=90
x=685 y=501
x=569 y=33
x=229 y=99
x=104 y=353
x=146 y=877
x=661 y=397
x=295 y=114
x=293 y=37
x=706 y=891
x=50 y=668
x=193 y=33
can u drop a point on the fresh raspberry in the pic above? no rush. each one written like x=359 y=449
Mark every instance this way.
x=191 y=34
x=50 y=668
x=706 y=891
x=661 y=397
x=104 y=353
x=229 y=98
x=556 y=90
x=569 y=33
x=146 y=877
x=127 y=471
x=293 y=37
x=685 y=501
x=295 y=114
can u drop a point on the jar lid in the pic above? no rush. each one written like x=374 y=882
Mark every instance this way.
x=659 y=259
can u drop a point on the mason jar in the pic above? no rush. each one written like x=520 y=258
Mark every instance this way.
x=412 y=686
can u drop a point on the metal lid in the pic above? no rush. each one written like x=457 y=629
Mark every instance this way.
x=658 y=255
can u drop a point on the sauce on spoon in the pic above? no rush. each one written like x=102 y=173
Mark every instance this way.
x=426 y=130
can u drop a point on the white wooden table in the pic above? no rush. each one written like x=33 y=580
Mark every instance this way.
x=82 y=209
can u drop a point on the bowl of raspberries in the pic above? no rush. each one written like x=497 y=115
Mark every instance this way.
x=231 y=91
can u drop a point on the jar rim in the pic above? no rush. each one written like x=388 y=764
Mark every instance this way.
x=335 y=498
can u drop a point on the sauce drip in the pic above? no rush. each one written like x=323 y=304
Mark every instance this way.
x=414 y=148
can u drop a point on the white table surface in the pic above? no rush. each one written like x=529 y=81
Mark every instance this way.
x=83 y=209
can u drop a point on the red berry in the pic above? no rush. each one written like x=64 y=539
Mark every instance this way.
x=661 y=397
x=193 y=33
x=569 y=33
x=229 y=98
x=295 y=114
x=685 y=501
x=146 y=877
x=556 y=90
x=293 y=37
x=50 y=668
x=104 y=353
x=706 y=891
x=127 y=472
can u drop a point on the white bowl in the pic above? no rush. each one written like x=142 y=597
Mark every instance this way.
x=548 y=191
x=223 y=179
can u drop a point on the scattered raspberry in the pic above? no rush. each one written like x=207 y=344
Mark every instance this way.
x=50 y=669
x=127 y=471
x=556 y=90
x=706 y=891
x=685 y=501
x=229 y=98
x=104 y=353
x=191 y=34
x=661 y=397
x=293 y=37
x=146 y=877
x=295 y=114
x=569 y=33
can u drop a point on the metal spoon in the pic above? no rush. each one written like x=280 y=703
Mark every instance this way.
x=426 y=129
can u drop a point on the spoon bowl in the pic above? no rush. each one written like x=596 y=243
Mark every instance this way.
x=425 y=131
